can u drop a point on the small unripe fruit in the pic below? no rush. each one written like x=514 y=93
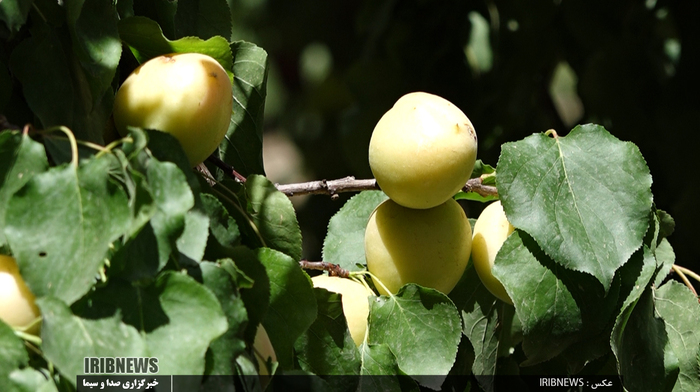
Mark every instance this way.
x=355 y=303
x=422 y=150
x=17 y=307
x=490 y=232
x=429 y=247
x=187 y=95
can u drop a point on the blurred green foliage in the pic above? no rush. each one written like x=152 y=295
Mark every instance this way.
x=515 y=68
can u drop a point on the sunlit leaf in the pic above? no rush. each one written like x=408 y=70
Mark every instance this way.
x=345 y=241
x=426 y=318
x=61 y=224
x=585 y=197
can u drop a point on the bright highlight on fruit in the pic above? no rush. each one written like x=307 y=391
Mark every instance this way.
x=490 y=232
x=17 y=307
x=188 y=95
x=355 y=303
x=429 y=247
x=422 y=151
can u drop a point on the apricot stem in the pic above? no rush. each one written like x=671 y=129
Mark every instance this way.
x=681 y=273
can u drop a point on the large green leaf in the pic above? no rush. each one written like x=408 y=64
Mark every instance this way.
x=292 y=303
x=274 y=216
x=345 y=241
x=66 y=337
x=177 y=316
x=60 y=226
x=428 y=320
x=242 y=147
x=584 y=197
x=680 y=311
x=556 y=306
x=20 y=159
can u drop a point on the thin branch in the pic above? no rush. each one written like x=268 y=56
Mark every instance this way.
x=350 y=184
x=333 y=269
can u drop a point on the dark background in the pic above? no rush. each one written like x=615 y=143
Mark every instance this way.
x=337 y=66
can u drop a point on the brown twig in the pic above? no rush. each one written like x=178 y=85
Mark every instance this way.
x=333 y=269
x=350 y=184
x=228 y=169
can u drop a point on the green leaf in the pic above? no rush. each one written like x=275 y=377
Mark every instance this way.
x=292 y=303
x=66 y=337
x=665 y=258
x=30 y=380
x=95 y=38
x=228 y=346
x=426 y=318
x=327 y=348
x=146 y=41
x=585 y=198
x=14 y=13
x=203 y=18
x=242 y=147
x=481 y=313
x=680 y=312
x=345 y=242
x=177 y=316
x=57 y=90
x=81 y=211
x=274 y=216
x=223 y=227
x=20 y=159
x=556 y=307
x=13 y=355
x=639 y=340
x=378 y=367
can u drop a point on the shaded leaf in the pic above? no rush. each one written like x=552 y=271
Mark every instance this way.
x=327 y=348
x=20 y=159
x=228 y=346
x=274 y=216
x=204 y=18
x=585 y=197
x=242 y=146
x=426 y=318
x=83 y=210
x=14 y=13
x=639 y=340
x=292 y=303
x=680 y=312
x=379 y=370
x=95 y=38
x=345 y=241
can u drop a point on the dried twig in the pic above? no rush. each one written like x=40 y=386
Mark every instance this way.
x=333 y=269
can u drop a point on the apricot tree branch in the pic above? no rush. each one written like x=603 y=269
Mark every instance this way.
x=333 y=269
x=350 y=184
x=347 y=184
